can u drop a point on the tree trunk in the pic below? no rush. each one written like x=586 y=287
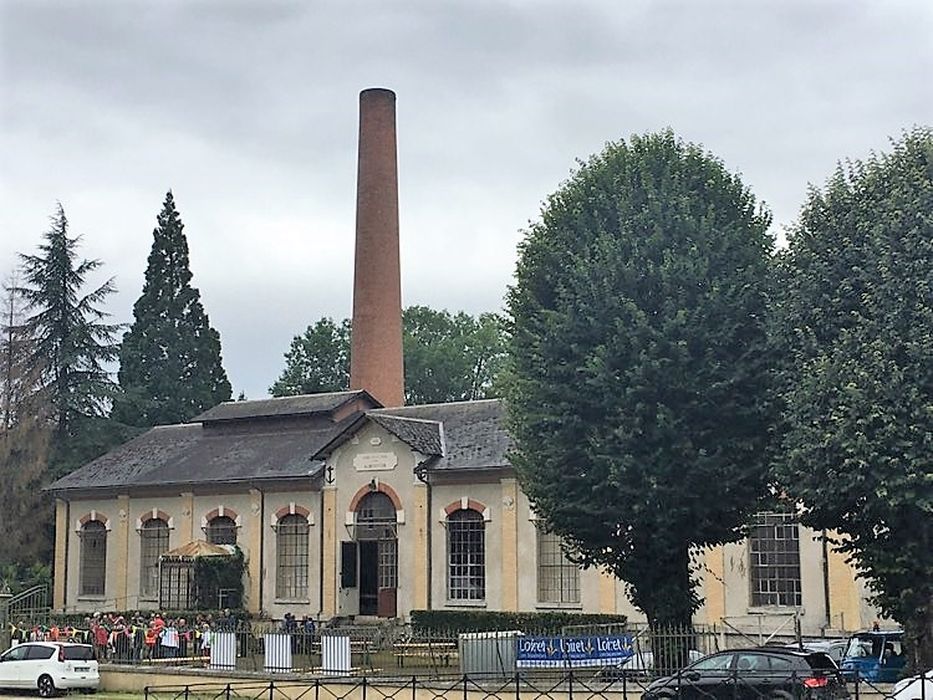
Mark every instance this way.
x=667 y=597
x=918 y=634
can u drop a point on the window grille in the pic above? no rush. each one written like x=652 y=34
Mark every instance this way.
x=221 y=530
x=93 y=571
x=558 y=577
x=291 y=551
x=153 y=543
x=177 y=589
x=466 y=555
x=774 y=551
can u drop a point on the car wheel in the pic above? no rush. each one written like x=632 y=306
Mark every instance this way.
x=46 y=687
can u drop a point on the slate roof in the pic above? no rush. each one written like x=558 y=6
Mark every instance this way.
x=280 y=407
x=473 y=432
x=460 y=436
x=188 y=454
x=426 y=436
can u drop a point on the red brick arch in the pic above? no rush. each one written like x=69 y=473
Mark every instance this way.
x=291 y=509
x=154 y=514
x=218 y=512
x=470 y=505
x=92 y=516
x=379 y=488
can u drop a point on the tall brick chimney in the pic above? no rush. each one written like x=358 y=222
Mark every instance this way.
x=376 y=344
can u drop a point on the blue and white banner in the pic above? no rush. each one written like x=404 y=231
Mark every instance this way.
x=563 y=652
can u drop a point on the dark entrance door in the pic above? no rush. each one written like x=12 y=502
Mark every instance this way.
x=369 y=577
x=378 y=546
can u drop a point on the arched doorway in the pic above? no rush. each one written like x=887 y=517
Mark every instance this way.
x=377 y=540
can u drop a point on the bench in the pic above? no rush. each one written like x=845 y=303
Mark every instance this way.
x=434 y=652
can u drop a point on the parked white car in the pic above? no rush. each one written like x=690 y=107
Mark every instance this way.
x=911 y=688
x=49 y=667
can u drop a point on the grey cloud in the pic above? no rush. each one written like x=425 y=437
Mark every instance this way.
x=248 y=110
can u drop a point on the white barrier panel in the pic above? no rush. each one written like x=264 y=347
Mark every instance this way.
x=335 y=654
x=223 y=650
x=278 y=652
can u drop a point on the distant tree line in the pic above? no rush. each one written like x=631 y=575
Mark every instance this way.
x=448 y=357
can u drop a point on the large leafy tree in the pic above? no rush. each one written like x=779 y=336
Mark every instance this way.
x=170 y=363
x=639 y=393
x=448 y=357
x=855 y=321
x=70 y=342
x=317 y=361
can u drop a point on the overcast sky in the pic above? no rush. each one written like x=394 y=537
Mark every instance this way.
x=248 y=112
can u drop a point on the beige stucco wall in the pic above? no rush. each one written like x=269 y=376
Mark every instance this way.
x=101 y=508
x=273 y=605
x=490 y=496
x=374 y=458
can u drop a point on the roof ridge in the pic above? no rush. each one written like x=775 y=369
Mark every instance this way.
x=292 y=396
x=439 y=403
x=408 y=418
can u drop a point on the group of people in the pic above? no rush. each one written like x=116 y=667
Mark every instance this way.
x=133 y=638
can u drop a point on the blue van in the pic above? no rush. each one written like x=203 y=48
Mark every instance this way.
x=875 y=655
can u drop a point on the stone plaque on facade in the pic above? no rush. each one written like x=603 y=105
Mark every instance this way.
x=375 y=461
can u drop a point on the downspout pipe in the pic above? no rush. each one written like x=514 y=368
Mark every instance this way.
x=421 y=472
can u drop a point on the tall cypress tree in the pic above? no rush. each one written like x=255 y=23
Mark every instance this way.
x=170 y=364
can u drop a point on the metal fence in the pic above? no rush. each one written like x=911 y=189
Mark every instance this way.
x=569 y=685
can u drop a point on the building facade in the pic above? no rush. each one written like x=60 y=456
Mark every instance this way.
x=344 y=508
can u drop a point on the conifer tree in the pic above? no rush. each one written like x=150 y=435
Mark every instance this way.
x=70 y=342
x=170 y=362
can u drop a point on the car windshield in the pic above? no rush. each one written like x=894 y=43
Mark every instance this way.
x=863 y=647
x=79 y=653
x=875 y=646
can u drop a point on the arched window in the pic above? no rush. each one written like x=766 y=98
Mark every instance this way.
x=221 y=530
x=558 y=577
x=93 y=571
x=291 y=557
x=153 y=543
x=466 y=555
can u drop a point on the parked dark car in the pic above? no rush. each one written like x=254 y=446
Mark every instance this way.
x=773 y=673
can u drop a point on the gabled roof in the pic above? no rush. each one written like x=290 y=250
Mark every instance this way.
x=457 y=436
x=302 y=405
x=425 y=436
x=473 y=432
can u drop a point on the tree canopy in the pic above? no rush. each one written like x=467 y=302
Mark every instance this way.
x=639 y=390
x=170 y=363
x=448 y=357
x=317 y=361
x=855 y=321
